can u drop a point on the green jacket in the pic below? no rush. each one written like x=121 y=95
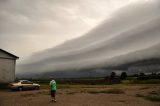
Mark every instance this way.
x=53 y=85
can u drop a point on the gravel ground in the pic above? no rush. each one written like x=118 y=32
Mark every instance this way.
x=131 y=95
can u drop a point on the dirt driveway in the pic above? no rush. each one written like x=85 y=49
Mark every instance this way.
x=119 y=95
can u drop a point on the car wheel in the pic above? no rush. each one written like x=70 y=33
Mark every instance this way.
x=20 y=88
x=36 y=88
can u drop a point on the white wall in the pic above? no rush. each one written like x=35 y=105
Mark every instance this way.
x=7 y=70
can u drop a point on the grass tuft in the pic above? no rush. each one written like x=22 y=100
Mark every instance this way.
x=139 y=95
x=109 y=91
x=143 y=88
x=153 y=98
x=71 y=93
x=115 y=91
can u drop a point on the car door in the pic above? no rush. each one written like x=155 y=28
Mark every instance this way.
x=27 y=84
x=30 y=85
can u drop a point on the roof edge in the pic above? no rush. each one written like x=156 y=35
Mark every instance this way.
x=10 y=54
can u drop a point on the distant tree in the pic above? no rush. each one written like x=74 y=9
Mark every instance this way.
x=141 y=74
x=113 y=79
x=135 y=75
x=112 y=75
x=123 y=75
x=154 y=73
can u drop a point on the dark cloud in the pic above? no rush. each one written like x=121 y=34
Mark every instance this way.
x=126 y=36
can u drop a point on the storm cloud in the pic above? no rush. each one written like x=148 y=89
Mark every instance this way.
x=131 y=33
x=28 y=26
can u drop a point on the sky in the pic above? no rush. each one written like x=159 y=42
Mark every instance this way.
x=130 y=34
x=30 y=26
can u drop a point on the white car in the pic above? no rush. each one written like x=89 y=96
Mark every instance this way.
x=23 y=85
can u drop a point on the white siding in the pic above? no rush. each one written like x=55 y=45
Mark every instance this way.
x=7 y=70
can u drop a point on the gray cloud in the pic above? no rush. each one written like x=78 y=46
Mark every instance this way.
x=130 y=33
x=29 y=26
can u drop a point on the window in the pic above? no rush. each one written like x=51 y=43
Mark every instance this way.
x=26 y=82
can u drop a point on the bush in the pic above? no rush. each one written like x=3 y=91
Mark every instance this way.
x=151 y=81
x=136 y=81
x=123 y=75
x=148 y=77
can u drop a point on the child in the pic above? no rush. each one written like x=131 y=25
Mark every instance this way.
x=53 y=89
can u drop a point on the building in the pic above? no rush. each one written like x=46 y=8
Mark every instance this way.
x=7 y=66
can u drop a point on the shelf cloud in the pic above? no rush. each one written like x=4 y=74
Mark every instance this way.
x=132 y=33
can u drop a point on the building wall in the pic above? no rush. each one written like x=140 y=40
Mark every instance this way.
x=7 y=70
